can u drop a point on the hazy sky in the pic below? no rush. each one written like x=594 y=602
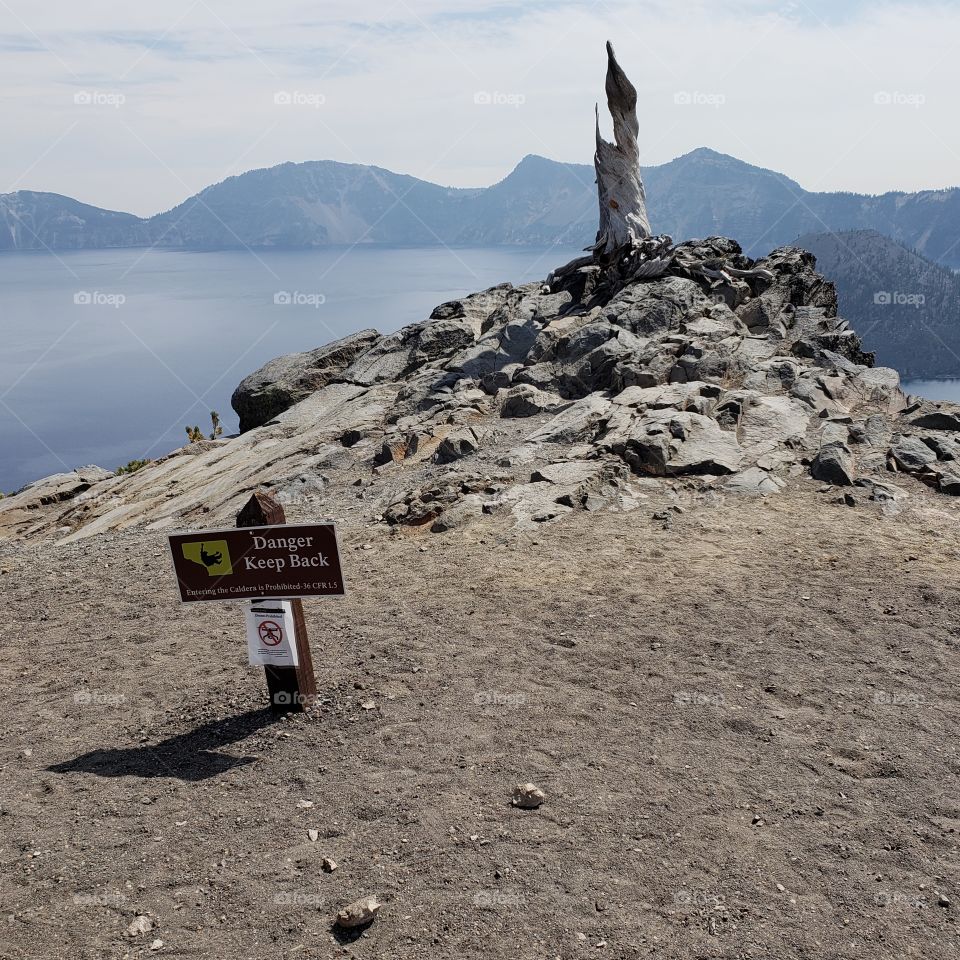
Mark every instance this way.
x=134 y=106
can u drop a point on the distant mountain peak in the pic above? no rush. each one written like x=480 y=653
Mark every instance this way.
x=541 y=201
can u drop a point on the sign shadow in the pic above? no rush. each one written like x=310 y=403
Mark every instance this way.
x=191 y=756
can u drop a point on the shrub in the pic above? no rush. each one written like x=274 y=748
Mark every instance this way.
x=132 y=467
x=195 y=434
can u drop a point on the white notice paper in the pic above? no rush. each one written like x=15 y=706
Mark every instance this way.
x=270 y=634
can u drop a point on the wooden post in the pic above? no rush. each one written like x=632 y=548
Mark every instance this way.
x=290 y=688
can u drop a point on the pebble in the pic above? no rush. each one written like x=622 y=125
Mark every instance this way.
x=304 y=804
x=359 y=913
x=156 y=945
x=139 y=926
x=328 y=865
x=527 y=796
x=314 y=835
x=943 y=900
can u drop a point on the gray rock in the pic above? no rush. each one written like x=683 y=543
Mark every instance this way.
x=944 y=447
x=442 y=338
x=872 y=432
x=300 y=489
x=771 y=422
x=911 y=454
x=567 y=472
x=933 y=415
x=581 y=421
x=466 y=509
x=498 y=348
x=671 y=443
x=754 y=482
x=500 y=379
x=646 y=308
x=881 y=492
x=285 y=381
x=834 y=464
x=457 y=445
x=525 y=400
x=949 y=482
x=476 y=308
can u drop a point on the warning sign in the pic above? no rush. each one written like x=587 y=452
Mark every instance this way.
x=283 y=561
x=271 y=640
x=270 y=633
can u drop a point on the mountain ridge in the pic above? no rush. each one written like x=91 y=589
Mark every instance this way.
x=541 y=201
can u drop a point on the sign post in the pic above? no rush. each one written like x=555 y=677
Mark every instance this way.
x=272 y=565
x=290 y=688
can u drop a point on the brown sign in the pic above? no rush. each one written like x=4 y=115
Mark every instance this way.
x=248 y=563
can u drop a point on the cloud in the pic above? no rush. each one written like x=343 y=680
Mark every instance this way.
x=853 y=95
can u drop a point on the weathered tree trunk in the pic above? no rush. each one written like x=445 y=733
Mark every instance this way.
x=623 y=207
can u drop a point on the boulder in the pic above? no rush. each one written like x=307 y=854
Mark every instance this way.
x=935 y=415
x=911 y=454
x=476 y=308
x=754 y=482
x=579 y=422
x=771 y=422
x=834 y=464
x=949 y=482
x=646 y=308
x=285 y=381
x=671 y=443
x=525 y=400
x=456 y=445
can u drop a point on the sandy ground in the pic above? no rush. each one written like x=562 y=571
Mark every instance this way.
x=744 y=718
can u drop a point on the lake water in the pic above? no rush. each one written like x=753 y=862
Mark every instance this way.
x=934 y=389
x=108 y=355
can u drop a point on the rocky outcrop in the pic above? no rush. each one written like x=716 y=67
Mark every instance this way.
x=285 y=381
x=724 y=374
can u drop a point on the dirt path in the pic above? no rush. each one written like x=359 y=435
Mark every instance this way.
x=744 y=717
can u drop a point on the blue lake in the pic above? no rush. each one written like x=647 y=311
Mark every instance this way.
x=108 y=355
x=934 y=389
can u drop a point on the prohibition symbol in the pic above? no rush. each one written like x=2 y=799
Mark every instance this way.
x=270 y=633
